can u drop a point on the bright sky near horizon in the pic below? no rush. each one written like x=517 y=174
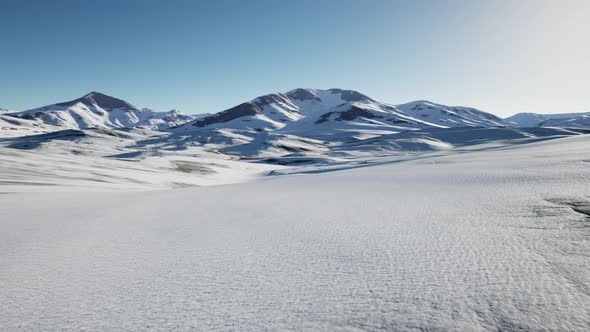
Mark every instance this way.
x=500 y=56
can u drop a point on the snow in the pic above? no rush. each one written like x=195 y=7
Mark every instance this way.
x=493 y=237
x=85 y=113
x=142 y=159
x=547 y=120
x=312 y=210
x=16 y=127
x=582 y=120
x=335 y=109
x=103 y=159
x=449 y=116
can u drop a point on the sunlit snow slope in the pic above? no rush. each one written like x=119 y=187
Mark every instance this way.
x=486 y=240
x=99 y=110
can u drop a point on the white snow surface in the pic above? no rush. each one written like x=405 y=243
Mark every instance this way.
x=105 y=159
x=16 y=127
x=488 y=237
x=309 y=210
x=142 y=159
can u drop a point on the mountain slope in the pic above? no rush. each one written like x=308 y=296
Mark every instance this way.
x=99 y=110
x=333 y=110
x=312 y=122
x=11 y=126
x=450 y=116
x=544 y=120
x=581 y=120
x=493 y=240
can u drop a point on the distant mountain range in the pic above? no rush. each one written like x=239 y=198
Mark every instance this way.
x=301 y=111
x=302 y=126
x=549 y=120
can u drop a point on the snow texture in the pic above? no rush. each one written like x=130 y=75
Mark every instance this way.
x=306 y=210
x=487 y=239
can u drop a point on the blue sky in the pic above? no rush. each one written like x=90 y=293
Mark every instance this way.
x=205 y=56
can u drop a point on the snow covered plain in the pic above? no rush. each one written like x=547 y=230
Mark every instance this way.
x=495 y=238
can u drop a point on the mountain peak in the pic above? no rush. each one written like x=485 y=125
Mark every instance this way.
x=303 y=94
x=93 y=93
x=305 y=109
x=350 y=95
x=420 y=101
x=100 y=99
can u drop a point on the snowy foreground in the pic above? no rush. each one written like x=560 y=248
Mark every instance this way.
x=497 y=239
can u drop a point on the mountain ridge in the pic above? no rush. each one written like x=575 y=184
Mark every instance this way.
x=300 y=109
x=339 y=108
x=528 y=119
x=100 y=99
x=96 y=109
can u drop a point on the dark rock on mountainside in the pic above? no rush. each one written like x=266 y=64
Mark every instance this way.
x=100 y=99
x=245 y=109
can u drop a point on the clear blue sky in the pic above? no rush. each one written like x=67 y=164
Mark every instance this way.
x=204 y=56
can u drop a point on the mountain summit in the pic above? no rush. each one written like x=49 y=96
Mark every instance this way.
x=97 y=109
x=101 y=100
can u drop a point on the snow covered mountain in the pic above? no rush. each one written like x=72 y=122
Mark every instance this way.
x=299 y=126
x=334 y=110
x=450 y=116
x=99 y=110
x=581 y=120
x=549 y=120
